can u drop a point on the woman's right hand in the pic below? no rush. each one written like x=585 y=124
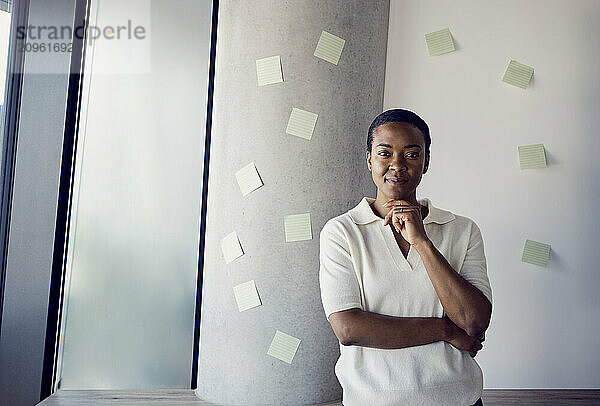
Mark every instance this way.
x=460 y=339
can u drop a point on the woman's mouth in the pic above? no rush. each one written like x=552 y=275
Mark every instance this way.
x=396 y=181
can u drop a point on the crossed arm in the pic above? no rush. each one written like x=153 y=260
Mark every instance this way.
x=464 y=304
x=466 y=307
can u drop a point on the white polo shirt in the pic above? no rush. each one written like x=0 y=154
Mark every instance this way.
x=361 y=266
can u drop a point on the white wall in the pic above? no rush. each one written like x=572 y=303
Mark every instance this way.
x=544 y=329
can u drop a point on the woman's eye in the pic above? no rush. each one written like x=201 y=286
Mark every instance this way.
x=383 y=153
x=413 y=154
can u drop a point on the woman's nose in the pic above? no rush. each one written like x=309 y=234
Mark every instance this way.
x=397 y=163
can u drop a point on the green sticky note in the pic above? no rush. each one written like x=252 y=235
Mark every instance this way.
x=268 y=70
x=439 y=42
x=532 y=156
x=283 y=347
x=297 y=227
x=536 y=253
x=301 y=123
x=329 y=47
x=518 y=74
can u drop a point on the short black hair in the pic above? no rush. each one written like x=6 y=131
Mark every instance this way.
x=399 y=116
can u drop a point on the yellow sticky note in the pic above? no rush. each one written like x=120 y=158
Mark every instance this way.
x=230 y=245
x=248 y=179
x=283 y=347
x=532 y=156
x=268 y=70
x=246 y=295
x=297 y=227
x=536 y=253
x=329 y=47
x=301 y=123
x=439 y=42
x=518 y=74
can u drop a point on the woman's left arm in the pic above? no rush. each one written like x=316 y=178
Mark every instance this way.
x=464 y=304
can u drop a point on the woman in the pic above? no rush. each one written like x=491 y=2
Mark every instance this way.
x=404 y=284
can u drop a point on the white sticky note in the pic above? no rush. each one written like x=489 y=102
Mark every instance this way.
x=439 y=42
x=248 y=179
x=532 y=156
x=246 y=295
x=518 y=74
x=329 y=47
x=268 y=70
x=283 y=347
x=301 y=123
x=230 y=245
x=297 y=227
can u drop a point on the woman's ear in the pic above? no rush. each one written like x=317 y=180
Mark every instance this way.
x=426 y=166
x=368 y=156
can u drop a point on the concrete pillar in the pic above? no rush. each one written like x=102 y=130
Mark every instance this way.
x=325 y=176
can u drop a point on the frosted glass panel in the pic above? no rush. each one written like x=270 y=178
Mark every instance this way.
x=130 y=287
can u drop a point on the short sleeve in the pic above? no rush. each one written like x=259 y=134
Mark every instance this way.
x=337 y=277
x=474 y=267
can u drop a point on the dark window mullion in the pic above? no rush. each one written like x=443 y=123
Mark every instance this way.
x=209 y=108
x=65 y=192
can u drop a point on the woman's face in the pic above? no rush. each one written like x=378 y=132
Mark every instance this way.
x=397 y=159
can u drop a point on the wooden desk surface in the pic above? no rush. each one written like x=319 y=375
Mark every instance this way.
x=185 y=397
x=175 y=397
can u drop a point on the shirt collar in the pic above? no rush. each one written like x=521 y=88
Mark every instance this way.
x=363 y=214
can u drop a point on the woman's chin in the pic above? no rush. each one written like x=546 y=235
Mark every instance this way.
x=398 y=195
x=397 y=192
